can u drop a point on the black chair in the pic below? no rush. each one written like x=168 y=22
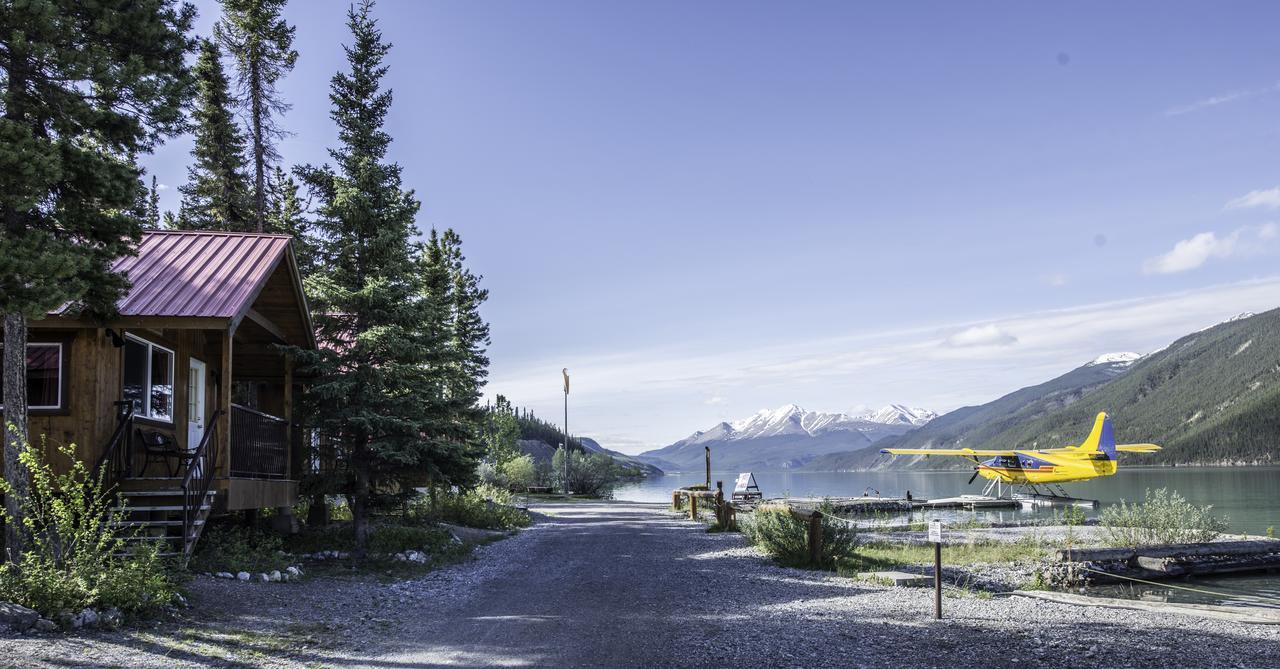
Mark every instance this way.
x=164 y=448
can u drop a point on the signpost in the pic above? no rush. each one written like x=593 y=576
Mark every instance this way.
x=935 y=535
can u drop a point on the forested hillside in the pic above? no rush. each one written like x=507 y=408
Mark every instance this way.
x=1211 y=397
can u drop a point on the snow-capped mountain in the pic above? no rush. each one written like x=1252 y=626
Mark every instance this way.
x=787 y=436
x=1124 y=359
x=897 y=414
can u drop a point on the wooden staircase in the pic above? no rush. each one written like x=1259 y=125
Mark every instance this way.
x=169 y=510
x=154 y=510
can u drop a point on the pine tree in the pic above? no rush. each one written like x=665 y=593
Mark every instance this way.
x=468 y=341
x=371 y=366
x=261 y=43
x=216 y=195
x=86 y=86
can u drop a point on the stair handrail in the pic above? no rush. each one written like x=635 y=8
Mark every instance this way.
x=195 y=485
x=115 y=463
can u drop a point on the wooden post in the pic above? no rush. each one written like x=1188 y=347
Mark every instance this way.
x=937 y=580
x=707 y=454
x=693 y=507
x=720 y=504
x=675 y=500
x=291 y=457
x=224 y=403
x=815 y=538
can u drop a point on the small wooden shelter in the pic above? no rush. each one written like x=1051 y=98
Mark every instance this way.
x=187 y=397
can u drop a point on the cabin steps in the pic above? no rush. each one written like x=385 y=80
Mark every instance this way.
x=153 y=515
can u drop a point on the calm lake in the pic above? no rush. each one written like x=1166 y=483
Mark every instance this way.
x=1249 y=497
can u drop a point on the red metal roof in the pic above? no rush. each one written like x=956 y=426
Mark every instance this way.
x=198 y=274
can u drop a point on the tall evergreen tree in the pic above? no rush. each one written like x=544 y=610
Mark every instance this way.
x=468 y=341
x=286 y=214
x=152 y=213
x=216 y=195
x=261 y=43
x=372 y=361
x=86 y=86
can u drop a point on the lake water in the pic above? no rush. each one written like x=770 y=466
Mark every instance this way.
x=1249 y=497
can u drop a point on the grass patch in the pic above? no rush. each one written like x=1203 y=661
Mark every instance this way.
x=882 y=556
x=383 y=538
x=485 y=507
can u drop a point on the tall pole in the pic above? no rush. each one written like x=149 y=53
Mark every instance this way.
x=708 y=458
x=565 y=372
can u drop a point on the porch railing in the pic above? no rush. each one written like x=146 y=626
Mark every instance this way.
x=195 y=485
x=116 y=461
x=259 y=444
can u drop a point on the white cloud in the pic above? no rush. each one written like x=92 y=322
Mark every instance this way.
x=1056 y=280
x=1265 y=198
x=649 y=398
x=1189 y=254
x=161 y=187
x=715 y=399
x=981 y=335
x=1222 y=99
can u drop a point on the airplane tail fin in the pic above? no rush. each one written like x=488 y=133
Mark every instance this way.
x=1102 y=439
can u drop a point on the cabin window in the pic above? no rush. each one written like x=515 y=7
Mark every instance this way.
x=44 y=377
x=148 y=379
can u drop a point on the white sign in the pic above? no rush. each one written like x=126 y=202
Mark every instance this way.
x=935 y=531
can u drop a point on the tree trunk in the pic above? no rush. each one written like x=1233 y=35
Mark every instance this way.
x=360 y=508
x=318 y=512
x=15 y=430
x=259 y=144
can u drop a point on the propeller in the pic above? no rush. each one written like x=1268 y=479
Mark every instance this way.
x=975 y=475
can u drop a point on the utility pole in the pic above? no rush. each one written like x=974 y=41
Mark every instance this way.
x=565 y=372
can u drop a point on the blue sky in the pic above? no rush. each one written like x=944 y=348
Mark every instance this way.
x=704 y=209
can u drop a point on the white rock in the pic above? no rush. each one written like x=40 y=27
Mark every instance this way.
x=264 y=578
x=87 y=618
x=243 y=576
x=225 y=574
x=275 y=576
x=293 y=571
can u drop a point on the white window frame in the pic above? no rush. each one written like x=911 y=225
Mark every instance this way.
x=61 y=376
x=173 y=381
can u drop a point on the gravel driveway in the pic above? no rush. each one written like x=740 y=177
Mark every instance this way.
x=631 y=585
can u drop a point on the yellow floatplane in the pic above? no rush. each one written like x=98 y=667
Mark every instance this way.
x=1027 y=469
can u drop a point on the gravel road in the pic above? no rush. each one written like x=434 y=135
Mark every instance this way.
x=630 y=585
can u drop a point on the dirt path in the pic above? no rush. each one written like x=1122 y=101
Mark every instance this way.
x=626 y=585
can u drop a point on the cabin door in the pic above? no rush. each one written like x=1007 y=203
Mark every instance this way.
x=195 y=404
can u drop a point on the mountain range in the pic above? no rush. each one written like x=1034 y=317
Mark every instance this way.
x=1211 y=397
x=785 y=438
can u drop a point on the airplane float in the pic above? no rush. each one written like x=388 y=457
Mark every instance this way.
x=1019 y=469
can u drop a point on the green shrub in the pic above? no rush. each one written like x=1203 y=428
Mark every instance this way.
x=485 y=507
x=1164 y=517
x=75 y=552
x=785 y=538
x=520 y=472
x=234 y=548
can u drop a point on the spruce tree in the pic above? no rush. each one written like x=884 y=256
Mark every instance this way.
x=261 y=43
x=371 y=366
x=216 y=195
x=86 y=87
x=152 y=213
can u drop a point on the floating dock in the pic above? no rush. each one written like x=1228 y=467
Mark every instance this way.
x=1037 y=501
x=971 y=502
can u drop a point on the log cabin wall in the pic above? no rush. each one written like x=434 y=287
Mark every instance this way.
x=93 y=380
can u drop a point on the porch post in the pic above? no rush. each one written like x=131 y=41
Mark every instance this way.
x=224 y=403
x=288 y=416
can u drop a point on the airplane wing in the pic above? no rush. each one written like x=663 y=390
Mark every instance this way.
x=960 y=452
x=1137 y=448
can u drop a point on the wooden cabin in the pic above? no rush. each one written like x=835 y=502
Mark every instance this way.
x=187 y=397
